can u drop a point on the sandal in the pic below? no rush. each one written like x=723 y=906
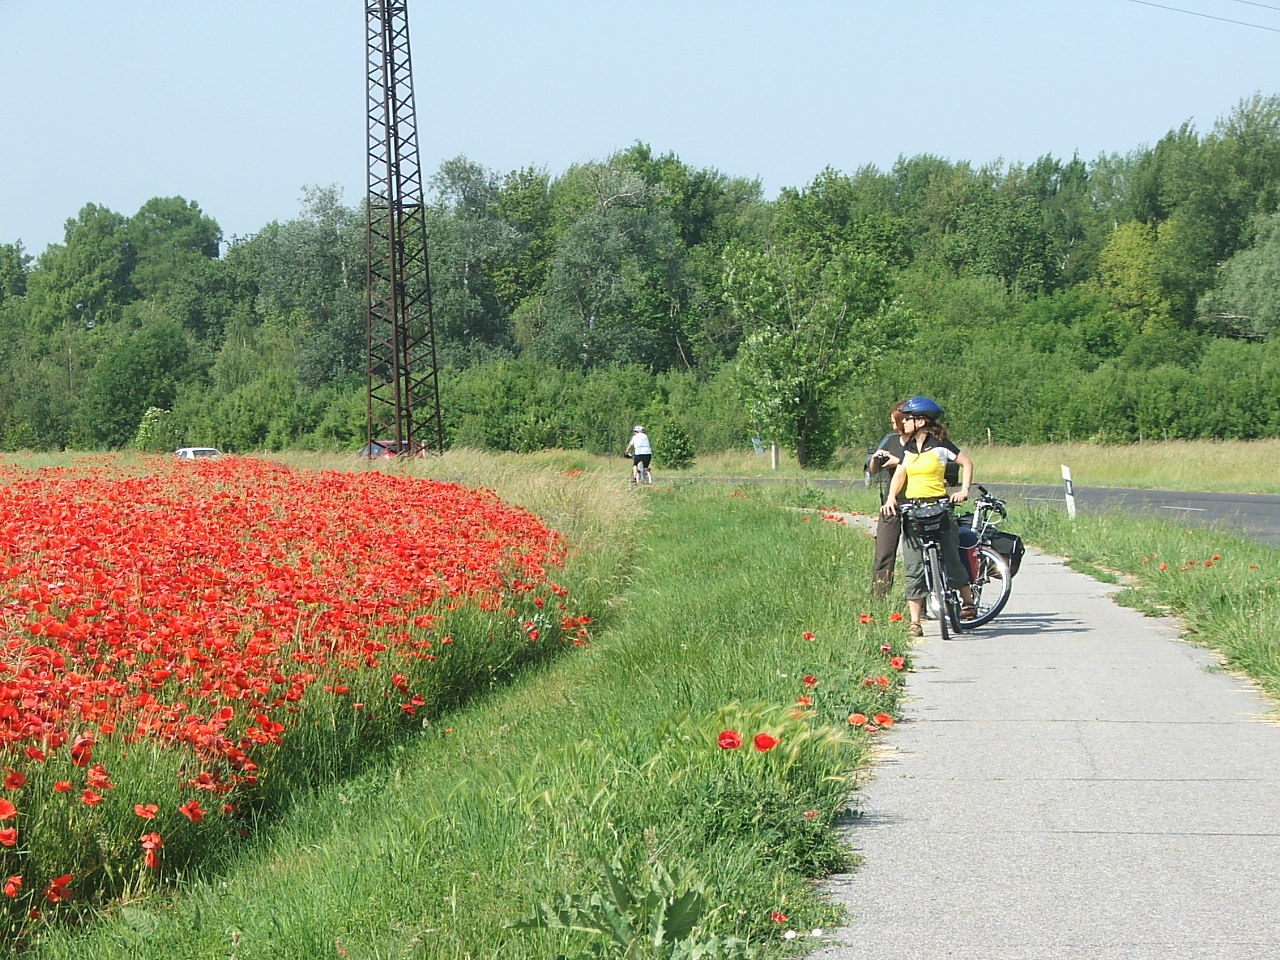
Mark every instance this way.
x=915 y=630
x=968 y=612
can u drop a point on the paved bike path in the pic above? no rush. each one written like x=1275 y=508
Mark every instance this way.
x=1071 y=781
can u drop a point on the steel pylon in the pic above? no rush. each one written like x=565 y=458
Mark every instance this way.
x=403 y=375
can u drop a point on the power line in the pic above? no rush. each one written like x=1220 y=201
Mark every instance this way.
x=1207 y=16
x=1264 y=6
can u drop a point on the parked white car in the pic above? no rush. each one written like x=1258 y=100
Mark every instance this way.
x=197 y=453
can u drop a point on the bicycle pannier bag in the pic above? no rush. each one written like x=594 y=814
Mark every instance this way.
x=1009 y=546
x=969 y=552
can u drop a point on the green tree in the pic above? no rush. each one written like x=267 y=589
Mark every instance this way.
x=14 y=266
x=88 y=279
x=169 y=236
x=471 y=247
x=1246 y=301
x=311 y=281
x=138 y=371
x=809 y=326
x=1128 y=275
x=612 y=293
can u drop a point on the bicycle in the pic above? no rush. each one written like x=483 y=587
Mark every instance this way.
x=641 y=472
x=990 y=571
x=989 y=576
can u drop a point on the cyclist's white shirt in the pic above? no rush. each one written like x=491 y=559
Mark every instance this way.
x=640 y=444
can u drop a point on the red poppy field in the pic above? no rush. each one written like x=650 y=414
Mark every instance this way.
x=184 y=643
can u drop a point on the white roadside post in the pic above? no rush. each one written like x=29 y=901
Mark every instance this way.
x=1071 y=497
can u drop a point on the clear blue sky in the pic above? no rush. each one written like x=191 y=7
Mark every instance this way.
x=240 y=104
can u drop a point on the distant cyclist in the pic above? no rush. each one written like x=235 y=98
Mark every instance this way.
x=640 y=451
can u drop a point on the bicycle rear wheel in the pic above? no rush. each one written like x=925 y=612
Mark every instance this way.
x=991 y=588
x=938 y=587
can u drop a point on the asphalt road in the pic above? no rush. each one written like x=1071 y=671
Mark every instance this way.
x=1070 y=782
x=1256 y=516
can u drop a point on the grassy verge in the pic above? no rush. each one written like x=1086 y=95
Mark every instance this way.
x=1225 y=589
x=605 y=791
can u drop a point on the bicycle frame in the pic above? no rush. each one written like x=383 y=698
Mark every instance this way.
x=989 y=585
x=926 y=520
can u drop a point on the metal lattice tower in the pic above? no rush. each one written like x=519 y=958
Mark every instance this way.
x=404 y=393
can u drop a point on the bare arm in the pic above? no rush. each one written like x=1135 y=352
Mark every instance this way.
x=966 y=478
x=895 y=485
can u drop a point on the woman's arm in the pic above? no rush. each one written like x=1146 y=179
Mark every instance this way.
x=895 y=485
x=966 y=478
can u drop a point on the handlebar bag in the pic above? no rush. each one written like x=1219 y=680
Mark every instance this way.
x=930 y=518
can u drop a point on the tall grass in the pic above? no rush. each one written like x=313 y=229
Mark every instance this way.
x=1205 y=465
x=734 y=616
x=1209 y=465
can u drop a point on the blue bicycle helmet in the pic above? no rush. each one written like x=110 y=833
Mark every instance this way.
x=922 y=407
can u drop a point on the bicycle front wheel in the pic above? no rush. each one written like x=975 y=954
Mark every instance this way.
x=991 y=588
x=938 y=587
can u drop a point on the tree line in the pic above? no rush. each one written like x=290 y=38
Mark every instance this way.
x=1129 y=297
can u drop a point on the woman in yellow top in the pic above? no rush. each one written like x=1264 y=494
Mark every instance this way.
x=922 y=476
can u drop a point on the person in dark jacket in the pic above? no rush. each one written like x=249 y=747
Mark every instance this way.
x=879 y=470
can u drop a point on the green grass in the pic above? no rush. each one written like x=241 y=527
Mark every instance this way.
x=608 y=756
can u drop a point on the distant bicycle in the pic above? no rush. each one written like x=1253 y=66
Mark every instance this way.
x=989 y=576
x=641 y=472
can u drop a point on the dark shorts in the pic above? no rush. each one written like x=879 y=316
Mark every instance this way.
x=642 y=458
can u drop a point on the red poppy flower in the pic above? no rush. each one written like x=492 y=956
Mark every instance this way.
x=884 y=719
x=82 y=751
x=57 y=890
x=865 y=618
x=62 y=786
x=810 y=681
x=778 y=917
x=804 y=700
x=91 y=797
x=729 y=740
x=192 y=811
x=9 y=837
x=12 y=886
x=7 y=809
x=15 y=780
x=147 y=812
x=898 y=663
x=808 y=635
x=764 y=742
x=857 y=719
x=895 y=617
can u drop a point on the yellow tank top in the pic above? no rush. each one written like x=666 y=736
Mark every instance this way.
x=926 y=474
